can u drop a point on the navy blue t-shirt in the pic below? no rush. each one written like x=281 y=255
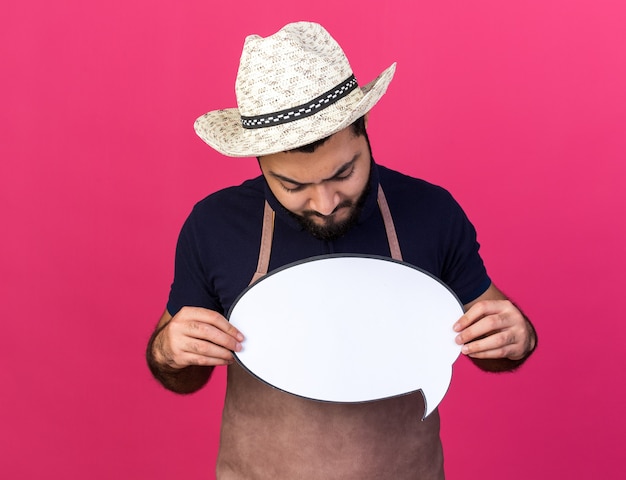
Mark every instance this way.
x=218 y=247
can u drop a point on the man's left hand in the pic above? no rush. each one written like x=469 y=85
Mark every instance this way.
x=494 y=328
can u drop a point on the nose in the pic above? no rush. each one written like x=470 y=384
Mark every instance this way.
x=324 y=199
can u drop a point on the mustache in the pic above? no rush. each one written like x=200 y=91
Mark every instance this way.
x=313 y=213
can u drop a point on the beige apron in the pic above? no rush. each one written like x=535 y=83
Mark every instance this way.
x=271 y=435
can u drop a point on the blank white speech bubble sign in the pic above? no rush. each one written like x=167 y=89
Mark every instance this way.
x=349 y=329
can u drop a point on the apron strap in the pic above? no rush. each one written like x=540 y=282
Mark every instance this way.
x=390 y=228
x=267 y=233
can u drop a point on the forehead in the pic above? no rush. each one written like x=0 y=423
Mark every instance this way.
x=340 y=148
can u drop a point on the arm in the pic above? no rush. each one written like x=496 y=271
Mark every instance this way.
x=183 y=349
x=495 y=334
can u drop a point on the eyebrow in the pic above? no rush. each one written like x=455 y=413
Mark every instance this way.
x=342 y=169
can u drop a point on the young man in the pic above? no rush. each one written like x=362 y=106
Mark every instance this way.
x=302 y=114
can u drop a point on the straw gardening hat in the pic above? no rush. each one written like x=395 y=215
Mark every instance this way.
x=293 y=88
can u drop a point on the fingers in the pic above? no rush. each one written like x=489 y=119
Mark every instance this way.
x=480 y=320
x=200 y=352
x=197 y=336
x=493 y=329
x=208 y=325
x=496 y=345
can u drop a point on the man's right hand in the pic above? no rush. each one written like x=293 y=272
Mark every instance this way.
x=195 y=336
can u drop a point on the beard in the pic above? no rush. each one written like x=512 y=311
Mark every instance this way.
x=329 y=229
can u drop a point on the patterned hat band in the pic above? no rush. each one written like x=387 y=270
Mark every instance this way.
x=302 y=111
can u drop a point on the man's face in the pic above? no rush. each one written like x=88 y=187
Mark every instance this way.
x=323 y=189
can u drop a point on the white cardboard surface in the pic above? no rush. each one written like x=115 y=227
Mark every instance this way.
x=350 y=329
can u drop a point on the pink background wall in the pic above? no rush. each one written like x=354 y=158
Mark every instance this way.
x=518 y=108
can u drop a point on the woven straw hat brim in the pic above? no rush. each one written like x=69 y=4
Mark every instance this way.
x=222 y=129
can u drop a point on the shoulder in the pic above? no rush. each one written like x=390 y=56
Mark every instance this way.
x=414 y=193
x=232 y=211
x=250 y=191
x=424 y=212
x=231 y=202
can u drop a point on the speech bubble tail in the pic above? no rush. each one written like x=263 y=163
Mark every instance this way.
x=434 y=392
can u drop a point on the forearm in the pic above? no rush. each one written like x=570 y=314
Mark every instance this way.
x=497 y=365
x=180 y=380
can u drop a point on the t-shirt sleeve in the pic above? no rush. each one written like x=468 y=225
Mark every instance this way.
x=190 y=286
x=463 y=269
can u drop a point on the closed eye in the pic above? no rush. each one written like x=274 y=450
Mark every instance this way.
x=343 y=176
x=298 y=188
x=301 y=186
x=344 y=173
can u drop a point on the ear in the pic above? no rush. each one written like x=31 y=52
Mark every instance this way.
x=366 y=118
